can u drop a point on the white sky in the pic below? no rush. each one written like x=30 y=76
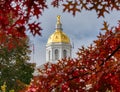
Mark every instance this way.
x=81 y=29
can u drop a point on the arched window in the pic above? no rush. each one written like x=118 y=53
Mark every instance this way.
x=49 y=55
x=56 y=54
x=64 y=53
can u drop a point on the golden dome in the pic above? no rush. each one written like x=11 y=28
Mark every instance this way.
x=58 y=36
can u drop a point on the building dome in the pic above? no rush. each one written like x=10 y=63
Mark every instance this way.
x=58 y=36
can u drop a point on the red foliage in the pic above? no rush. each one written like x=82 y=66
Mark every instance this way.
x=16 y=15
x=100 y=6
x=71 y=7
x=96 y=65
x=97 y=68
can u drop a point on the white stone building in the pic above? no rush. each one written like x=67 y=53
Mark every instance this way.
x=58 y=45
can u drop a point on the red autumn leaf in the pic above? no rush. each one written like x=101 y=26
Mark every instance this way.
x=37 y=11
x=55 y=3
x=71 y=7
x=35 y=28
x=20 y=21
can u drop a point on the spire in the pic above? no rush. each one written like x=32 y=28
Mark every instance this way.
x=58 y=24
x=58 y=19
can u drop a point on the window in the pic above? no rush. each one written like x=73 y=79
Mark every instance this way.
x=48 y=55
x=56 y=54
x=64 y=53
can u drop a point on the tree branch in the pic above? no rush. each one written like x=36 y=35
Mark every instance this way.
x=110 y=55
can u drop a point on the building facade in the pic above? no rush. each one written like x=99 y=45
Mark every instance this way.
x=58 y=45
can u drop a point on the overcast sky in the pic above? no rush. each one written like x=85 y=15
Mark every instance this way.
x=81 y=29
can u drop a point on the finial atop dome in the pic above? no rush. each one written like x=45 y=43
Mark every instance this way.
x=58 y=24
x=58 y=19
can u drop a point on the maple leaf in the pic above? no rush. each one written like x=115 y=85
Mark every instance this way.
x=102 y=11
x=105 y=26
x=36 y=11
x=71 y=7
x=20 y=21
x=42 y=4
x=83 y=4
x=21 y=31
x=35 y=28
x=55 y=3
